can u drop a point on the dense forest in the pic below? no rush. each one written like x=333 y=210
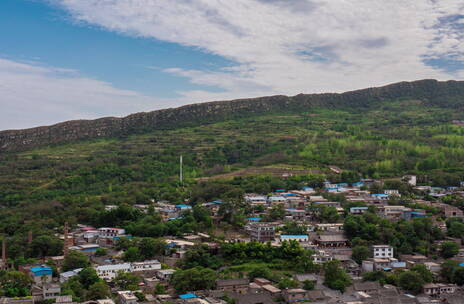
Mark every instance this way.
x=42 y=188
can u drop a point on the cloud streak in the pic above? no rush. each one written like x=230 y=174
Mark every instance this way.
x=288 y=47
x=33 y=95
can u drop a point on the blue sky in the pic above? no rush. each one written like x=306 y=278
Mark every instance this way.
x=84 y=59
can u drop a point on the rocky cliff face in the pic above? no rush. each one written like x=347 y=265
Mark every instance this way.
x=446 y=94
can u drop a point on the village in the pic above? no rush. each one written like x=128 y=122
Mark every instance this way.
x=300 y=221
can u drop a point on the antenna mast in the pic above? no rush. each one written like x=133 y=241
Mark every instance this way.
x=181 y=173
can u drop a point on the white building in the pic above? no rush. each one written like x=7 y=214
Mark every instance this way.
x=109 y=233
x=109 y=272
x=145 y=266
x=292 y=237
x=382 y=251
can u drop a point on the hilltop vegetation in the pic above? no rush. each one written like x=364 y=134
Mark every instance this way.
x=42 y=188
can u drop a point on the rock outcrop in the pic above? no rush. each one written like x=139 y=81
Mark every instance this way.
x=446 y=94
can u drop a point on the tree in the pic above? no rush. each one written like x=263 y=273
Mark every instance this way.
x=87 y=277
x=160 y=289
x=411 y=281
x=328 y=214
x=335 y=277
x=75 y=260
x=200 y=256
x=150 y=247
x=260 y=272
x=126 y=281
x=458 y=276
x=101 y=252
x=447 y=270
x=46 y=245
x=287 y=283
x=360 y=253
x=309 y=285
x=15 y=284
x=426 y=274
x=449 y=249
x=192 y=279
x=456 y=229
x=132 y=254
x=277 y=212
x=99 y=290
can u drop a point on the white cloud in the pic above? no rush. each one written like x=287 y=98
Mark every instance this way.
x=33 y=95
x=288 y=47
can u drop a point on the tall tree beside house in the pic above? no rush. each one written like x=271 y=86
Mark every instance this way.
x=360 y=253
x=14 y=284
x=335 y=276
x=192 y=279
x=75 y=260
x=411 y=281
x=449 y=249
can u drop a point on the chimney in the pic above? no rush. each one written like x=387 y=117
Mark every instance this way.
x=29 y=237
x=65 y=248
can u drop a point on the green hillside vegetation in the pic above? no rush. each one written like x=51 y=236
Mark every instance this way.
x=42 y=188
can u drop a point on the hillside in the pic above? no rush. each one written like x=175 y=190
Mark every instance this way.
x=431 y=92
x=70 y=171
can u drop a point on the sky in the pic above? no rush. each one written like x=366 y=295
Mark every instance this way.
x=84 y=59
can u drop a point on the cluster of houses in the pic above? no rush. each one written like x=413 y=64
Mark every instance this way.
x=327 y=240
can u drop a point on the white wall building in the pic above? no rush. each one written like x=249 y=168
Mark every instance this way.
x=109 y=272
x=382 y=251
x=145 y=266
x=109 y=233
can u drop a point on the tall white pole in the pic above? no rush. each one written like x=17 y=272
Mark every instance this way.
x=181 y=175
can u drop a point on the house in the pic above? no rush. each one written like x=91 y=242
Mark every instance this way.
x=392 y=193
x=271 y=290
x=261 y=281
x=451 y=211
x=41 y=274
x=109 y=272
x=88 y=249
x=382 y=251
x=367 y=287
x=262 y=232
x=294 y=237
x=331 y=240
x=127 y=297
x=253 y=298
x=432 y=289
x=165 y=274
x=305 y=277
x=321 y=257
x=375 y=264
x=145 y=266
x=433 y=267
x=233 y=285
x=51 y=291
x=358 y=210
x=109 y=233
x=316 y=295
x=64 y=276
x=295 y=295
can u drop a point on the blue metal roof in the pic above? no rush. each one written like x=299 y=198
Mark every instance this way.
x=293 y=235
x=41 y=271
x=254 y=219
x=187 y=296
x=360 y=208
x=183 y=206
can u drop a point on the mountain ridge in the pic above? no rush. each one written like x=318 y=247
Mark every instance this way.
x=429 y=90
